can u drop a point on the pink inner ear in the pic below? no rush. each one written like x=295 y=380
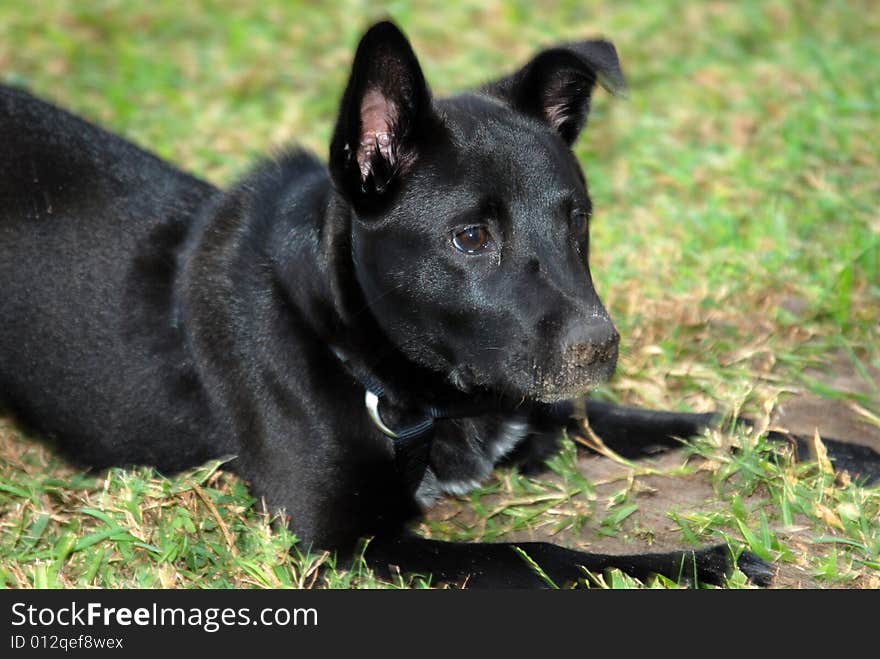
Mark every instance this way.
x=557 y=107
x=566 y=101
x=557 y=114
x=378 y=115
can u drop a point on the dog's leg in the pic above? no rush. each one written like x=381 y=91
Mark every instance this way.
x=512 y=565
x=634 y=433
x=629 y=431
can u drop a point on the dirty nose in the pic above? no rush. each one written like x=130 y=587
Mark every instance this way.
x=591 y=343
x=587 y=356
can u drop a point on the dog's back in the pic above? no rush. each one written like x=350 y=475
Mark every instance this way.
x=88 y=229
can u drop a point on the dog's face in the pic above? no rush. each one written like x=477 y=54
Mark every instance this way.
x=471 y=235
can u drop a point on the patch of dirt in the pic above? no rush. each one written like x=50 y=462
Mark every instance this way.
x=803 y=414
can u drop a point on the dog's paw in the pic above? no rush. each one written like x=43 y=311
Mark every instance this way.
x=713 y=565
x=759 y=571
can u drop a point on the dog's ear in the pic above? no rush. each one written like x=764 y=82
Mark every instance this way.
x=557 y=84
x=384 y=111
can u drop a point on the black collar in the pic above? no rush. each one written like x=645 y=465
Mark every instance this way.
x=417 y=433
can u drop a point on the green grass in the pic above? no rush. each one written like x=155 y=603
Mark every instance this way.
x=736 y=243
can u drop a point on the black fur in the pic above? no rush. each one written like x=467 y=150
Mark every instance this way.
x=149 y=318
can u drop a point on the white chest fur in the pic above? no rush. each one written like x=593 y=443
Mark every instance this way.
x=491 y=451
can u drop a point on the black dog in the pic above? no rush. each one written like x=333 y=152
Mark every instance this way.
x=363 y=340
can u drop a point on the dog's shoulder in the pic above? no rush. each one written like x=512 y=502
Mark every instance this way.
x=290 y=186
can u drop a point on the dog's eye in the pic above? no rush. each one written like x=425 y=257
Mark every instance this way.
x=472 y=240
x=580 y=222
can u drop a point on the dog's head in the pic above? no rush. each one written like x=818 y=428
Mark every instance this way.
x=471 y=231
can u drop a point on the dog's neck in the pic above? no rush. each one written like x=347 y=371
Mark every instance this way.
x=367 y=351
